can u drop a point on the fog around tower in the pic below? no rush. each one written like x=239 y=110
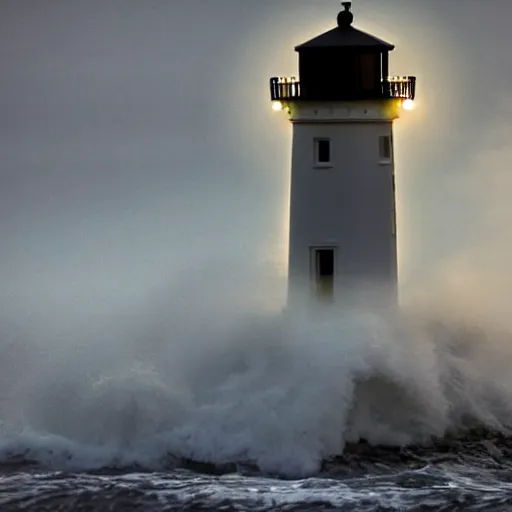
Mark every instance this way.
x=143 y=221
x=139 y=145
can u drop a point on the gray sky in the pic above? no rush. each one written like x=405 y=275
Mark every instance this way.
x=138 y=143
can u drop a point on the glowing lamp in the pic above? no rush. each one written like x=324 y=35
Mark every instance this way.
x=408 y=104
x=277 y=105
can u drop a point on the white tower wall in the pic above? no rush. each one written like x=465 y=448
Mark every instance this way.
x=346 y=205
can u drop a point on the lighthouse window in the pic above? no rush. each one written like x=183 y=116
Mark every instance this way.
x=322 y=151
x=385 y=151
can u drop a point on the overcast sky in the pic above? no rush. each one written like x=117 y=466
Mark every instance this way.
x=138 y=143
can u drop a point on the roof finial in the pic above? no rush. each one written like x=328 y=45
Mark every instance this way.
x=345 y=18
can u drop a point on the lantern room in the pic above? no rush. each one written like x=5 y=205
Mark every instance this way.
x=343 y=64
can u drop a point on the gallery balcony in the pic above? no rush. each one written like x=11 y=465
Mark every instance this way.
x=289 y=89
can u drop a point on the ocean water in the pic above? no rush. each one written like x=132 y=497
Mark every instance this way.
x=221 y=411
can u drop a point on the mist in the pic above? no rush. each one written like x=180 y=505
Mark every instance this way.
x=138 y=142
x=144 y=216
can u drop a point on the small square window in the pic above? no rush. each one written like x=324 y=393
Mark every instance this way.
x=322 y=151
x=385 y=149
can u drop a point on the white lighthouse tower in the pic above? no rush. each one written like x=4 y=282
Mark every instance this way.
x=342 y=208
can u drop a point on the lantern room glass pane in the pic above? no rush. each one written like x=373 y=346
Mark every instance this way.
x=368 y=69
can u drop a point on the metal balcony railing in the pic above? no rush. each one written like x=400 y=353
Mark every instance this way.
x=282 y=88
x=286 y=89
x=399 y=87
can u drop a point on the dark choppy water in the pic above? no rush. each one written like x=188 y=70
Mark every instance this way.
x=470 y=473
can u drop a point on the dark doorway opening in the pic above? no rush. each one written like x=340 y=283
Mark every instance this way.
x=324 y=273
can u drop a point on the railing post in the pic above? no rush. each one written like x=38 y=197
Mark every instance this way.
x=413 y=86
x=273 y=88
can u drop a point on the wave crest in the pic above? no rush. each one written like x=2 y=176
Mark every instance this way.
x=283 y=392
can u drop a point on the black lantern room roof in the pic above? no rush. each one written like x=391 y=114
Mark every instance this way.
x=346 y=36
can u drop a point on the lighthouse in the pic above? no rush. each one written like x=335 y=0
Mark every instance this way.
x=343 y=232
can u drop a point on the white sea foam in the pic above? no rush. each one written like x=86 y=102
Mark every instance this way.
x=215 y=383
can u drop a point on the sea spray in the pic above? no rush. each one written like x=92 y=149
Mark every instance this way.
x=281 y=391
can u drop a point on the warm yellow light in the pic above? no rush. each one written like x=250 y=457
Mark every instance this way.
x=408 y=104
x=277 y=105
